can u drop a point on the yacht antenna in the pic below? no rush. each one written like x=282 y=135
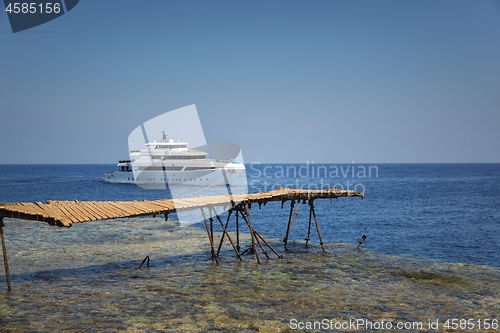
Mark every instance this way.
x=164 y=136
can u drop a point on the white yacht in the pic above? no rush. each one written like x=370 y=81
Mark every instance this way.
x=171 y=162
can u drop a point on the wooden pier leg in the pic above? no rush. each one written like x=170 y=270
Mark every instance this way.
x=210 y=238
x=237 y=232
x=285 y=239
x=223 y=234
x=5 y=259
x=317 y=225
x=361 y=241
x=247 y=220
x=268 y=245
x=309 y=227
x=260 y=244
x=290 y=222
x=226 y=233
x=211 y=226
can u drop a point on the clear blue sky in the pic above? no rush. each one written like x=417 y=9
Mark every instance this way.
x=289 y=81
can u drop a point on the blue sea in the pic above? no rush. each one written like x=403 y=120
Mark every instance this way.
x=431 y=255
x=445 y=212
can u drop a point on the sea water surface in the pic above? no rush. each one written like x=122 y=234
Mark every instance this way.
x=432 y=253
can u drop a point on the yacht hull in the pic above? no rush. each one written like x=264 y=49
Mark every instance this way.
x=154 y=178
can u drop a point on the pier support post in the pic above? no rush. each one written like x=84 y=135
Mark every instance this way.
x=225 y=233
x=361 y=240
x=237 y=232
x=247 y=220
x=257 y=238
x=309 y=226
x=311 y=203
x=290 y=220
x=210 y=237
x=211 y=227
x=268 y=245
x=5 y=259
x=285 y=239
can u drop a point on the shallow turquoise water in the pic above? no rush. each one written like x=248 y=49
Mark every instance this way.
x=441 y=211
x=85 y=279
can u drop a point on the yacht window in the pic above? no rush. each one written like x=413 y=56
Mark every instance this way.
x=198 y=168
x=170 y=146
x=185 y=157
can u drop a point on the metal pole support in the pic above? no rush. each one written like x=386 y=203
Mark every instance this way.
x=362 y=240
x=5 y=259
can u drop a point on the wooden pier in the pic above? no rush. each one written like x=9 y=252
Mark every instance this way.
x=66 y=213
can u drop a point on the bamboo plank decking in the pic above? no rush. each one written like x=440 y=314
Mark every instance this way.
x=65 y=213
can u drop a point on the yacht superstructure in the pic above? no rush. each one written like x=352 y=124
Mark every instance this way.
x=171 y=162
